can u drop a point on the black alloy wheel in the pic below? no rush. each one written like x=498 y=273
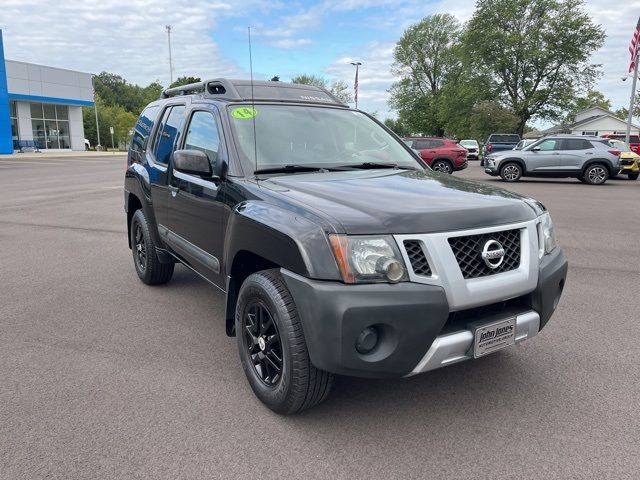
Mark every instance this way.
x=140 y=248
x=263 y=344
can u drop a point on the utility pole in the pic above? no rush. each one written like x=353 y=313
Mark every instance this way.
x=168 y=27
x=355 y=83
x=632 y=101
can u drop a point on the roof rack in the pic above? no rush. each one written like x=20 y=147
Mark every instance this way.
x=243 y=90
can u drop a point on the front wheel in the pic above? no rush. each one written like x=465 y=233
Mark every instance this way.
x=633 y=176
x=596 y=174
x=443 y=166
x=272 y=346
x=511 y=172
x=145 y=258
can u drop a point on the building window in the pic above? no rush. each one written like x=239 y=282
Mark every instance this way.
x=13 y=114
x=50 y=125
x=592 y=133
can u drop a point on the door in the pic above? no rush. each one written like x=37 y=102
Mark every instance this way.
x=427 y=149
x=196 y=211
x=573 y=153
x=543 y=157
x=158 y=156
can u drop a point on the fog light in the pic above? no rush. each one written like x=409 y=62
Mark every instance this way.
x=367 y=340
x=390 y=268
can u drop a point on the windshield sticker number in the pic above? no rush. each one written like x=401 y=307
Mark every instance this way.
x=244 y=113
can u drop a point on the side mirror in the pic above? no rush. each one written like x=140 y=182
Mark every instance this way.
x=192 y=162
x=535 y=149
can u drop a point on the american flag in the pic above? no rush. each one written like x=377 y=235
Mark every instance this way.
x=633 y=48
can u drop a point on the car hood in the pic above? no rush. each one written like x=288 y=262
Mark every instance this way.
x=402 y=202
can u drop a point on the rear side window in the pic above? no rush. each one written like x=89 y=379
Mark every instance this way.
x=576 y=144
x=143 y=127
x=168 y=133
x=422 y=144
x=504 y=139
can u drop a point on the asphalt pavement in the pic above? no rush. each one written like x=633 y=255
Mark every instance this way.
x=103 y=377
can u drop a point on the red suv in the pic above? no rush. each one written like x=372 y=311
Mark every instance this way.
x=634 y=140
x=441 y=154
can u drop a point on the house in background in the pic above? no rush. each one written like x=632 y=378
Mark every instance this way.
x=594 y=121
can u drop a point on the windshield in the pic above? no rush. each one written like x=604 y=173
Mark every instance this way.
x=310 y=136
x=469 y=143
x=620 y=145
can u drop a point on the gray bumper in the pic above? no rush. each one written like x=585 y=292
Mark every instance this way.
x=414 y=320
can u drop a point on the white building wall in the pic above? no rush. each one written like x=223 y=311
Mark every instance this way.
x=30 y=79
x=76 y=128
x=604 y=126
x=23 y=110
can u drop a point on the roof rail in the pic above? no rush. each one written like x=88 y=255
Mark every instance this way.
x=241 y=90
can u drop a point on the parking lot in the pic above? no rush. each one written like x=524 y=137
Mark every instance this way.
x=104 y=377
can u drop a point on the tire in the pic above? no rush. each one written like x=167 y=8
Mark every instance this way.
x=272 y=347
x=633 y=176
x=511 y=172
x=145 y=258
x=442 y=166
x=596 y=174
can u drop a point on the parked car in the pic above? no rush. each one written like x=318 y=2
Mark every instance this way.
x=441 y=154
x=634 y=140
x=525 y=142
x=498 y=142
x=585 y=158
x=337 y=249
x=472 y=147
x=629 y=160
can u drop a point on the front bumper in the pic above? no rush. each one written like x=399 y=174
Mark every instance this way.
x=417 y=331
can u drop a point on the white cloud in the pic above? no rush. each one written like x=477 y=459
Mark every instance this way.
x=123 y=36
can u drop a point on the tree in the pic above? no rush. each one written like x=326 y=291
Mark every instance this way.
x=184 y=81
x=424 y=57
x=396 y=125
x=537 y=51
x=275 y=78
x=337 y=88
x=488 y=117
x=114 y=116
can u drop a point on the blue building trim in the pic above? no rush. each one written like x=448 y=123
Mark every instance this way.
x=6 y=143
x=60 y=101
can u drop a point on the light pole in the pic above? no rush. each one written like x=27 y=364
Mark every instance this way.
x=355 y=83
x=168 y=27
x=95 y=108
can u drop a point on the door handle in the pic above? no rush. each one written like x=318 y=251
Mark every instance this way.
x=173 y=190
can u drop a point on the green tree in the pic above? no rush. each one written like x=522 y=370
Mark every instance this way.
x=178 y=82
x=275 y=78
x=537 y=51
x=489 y=117
x=337 y=88
x=424 y=58
x=396 y=125
x=114 y=116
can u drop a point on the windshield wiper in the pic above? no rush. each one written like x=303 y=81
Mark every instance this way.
x=372 y=165
x=291 y=169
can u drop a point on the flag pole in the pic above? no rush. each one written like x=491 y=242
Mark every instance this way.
x=632 y=101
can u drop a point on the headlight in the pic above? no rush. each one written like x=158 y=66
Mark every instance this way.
x=368 y=259
x=546 y=234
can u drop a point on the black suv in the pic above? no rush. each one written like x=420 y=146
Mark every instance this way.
x=338 y=249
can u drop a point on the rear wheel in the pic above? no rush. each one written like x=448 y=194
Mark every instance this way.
x=145 y=258
x=596 y=174
x=272 y=347
x=511 y=172
x=443 y=166
x=633 y=176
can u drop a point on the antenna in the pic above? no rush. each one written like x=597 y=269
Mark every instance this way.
x=253 y=105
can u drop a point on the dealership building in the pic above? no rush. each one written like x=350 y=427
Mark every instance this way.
x=42 y=105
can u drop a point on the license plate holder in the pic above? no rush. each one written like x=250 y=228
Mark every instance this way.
x=494 y=336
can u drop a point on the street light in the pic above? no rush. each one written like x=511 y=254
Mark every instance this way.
x=355 y=83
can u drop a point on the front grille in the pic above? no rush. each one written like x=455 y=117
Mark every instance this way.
x=418 y=260
x=468 y=251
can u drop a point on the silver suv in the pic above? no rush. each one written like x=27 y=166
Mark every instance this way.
x=584 y=158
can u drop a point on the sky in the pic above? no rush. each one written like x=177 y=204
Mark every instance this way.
x=209 y=38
